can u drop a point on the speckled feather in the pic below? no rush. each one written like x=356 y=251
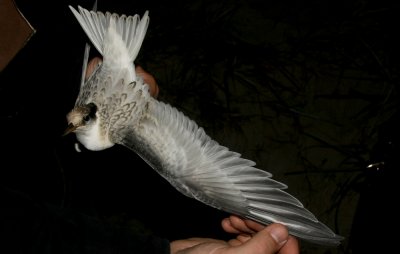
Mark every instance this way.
x=172 y=144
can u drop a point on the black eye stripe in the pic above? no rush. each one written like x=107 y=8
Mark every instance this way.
x=92 y=110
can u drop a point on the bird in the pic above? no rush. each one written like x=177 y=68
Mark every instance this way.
x=114 y=106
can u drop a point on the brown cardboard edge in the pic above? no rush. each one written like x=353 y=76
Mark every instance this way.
x=15 y=31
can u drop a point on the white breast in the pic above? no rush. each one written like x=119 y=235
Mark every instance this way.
x=93 y=139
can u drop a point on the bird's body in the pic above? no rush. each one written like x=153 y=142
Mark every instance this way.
x=114 y=107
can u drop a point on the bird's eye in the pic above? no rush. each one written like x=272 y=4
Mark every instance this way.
x=86 y=118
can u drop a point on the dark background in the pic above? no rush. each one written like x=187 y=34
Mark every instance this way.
x=307 y=89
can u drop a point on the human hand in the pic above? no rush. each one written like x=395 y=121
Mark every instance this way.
x=147 y=77
x=252 y=237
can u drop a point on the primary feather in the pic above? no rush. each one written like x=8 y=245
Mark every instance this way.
x=114 y=107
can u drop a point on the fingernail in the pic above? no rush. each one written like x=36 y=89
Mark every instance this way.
x=279 y=234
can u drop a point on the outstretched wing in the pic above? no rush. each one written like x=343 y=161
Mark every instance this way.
x=200 y=168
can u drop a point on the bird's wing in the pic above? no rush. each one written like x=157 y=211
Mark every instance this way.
x=200 y=168
x=86 y=54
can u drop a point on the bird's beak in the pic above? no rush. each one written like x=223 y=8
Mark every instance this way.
x=69 y=129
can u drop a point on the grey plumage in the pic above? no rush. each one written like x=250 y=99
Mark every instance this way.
x=114 y=107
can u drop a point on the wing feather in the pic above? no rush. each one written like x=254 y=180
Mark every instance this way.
x=201 y=168
x=175 y=146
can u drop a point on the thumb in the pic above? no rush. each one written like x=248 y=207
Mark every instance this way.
x=92 y=65
x=267 y=241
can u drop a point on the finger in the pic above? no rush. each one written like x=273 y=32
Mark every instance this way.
x=236 y=225
x=240 y=239
x=228 y=227
x=290 y=247
x=179 y=245
x=149 y=80
x=254 y=226
x=92 y=65
x=243 y=238
x=267 y=241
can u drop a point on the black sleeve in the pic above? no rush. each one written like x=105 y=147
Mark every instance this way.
x=30 y=227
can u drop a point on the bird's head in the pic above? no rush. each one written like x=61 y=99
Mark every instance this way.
x=81 y=118
x=84 y=121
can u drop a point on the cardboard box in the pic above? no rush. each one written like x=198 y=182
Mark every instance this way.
x=15 y=31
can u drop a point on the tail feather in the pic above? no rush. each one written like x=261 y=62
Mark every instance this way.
x=131 y=29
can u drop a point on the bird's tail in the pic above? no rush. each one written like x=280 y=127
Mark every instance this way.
x=117 y=38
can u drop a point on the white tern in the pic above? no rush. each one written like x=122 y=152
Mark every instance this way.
x=114 y=107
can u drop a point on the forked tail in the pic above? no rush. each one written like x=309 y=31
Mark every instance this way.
x=118 y=38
